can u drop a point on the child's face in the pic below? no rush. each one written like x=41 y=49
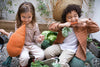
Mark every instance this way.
x=26 y=17
x=72 y=17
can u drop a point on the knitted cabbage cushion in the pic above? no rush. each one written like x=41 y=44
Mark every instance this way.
x=76 y=62
x=16 y=42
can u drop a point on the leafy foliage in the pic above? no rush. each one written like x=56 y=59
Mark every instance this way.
x=94 y=41
x=4 y=5
x=65 y=31
x=50 y=37
x=38 y=63
x=42 y=8
x=45 y=44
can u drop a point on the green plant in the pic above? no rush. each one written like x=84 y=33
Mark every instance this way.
x=42 y=8
x=4 y=5
x=38 y=63
x=65 y=31
x=45 y=44
x=89 y=39
x=50 y=37
x=94 y=41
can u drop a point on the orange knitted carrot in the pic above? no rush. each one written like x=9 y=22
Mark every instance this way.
x=16 y=42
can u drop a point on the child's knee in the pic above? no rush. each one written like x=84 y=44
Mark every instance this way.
x=40 y=56
x=24 y=58
x=52 y=51
x=49 y=53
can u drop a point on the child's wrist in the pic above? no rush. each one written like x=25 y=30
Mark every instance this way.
x=6 y=33
x=62 y=25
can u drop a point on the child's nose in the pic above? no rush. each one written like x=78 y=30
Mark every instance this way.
x=73 y=19
x=26 y=20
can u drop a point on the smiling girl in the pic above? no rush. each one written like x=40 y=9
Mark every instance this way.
x=26 y=15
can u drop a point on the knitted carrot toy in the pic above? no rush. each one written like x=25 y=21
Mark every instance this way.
x=15 y=44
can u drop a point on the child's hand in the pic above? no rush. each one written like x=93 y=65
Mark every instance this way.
x=4 y=32
x=82 y=22
x=85 y=20
x=40 y=38
x=89 y=20
x=67 y=24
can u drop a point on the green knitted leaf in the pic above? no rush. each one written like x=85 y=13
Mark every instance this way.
x=48 y=33
x=56 y=64
x=38 y=63
x=7 y=62
x=65 y=31
x=52 y=38
x=45 y=44
x=45 y=33
x=45 y=66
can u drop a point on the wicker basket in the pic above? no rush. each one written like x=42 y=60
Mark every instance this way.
x=60 y=5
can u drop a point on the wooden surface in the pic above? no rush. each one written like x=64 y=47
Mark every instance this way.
x=7 y=25
x=10 y=26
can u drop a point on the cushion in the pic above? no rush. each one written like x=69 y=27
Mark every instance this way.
x=16 y=42
x=76 y=62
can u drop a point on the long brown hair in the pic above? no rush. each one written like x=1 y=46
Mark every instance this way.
x=25 y=7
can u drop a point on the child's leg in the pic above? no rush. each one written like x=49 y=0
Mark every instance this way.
x=37 y=52
x=52 y=51
x=24 y=57
x=65 y=57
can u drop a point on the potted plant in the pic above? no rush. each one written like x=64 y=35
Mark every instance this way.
x=94 y=46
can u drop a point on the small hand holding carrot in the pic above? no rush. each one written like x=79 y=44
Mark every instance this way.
x=83 y=22
x=40 y=38
x=67 y=24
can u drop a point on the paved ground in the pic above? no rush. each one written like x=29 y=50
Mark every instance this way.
x=15 y=61
x=3 y=57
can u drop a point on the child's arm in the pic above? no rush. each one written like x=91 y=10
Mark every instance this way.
x=40 y=38
x=37 y=36
x=58 y=26
x=92 y=26
x=54 y=27
x=4 y=32
x=7 y=33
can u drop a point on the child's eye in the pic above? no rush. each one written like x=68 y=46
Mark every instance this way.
x=29 y=17
x=23 y=16
x=75 y=15
x=69 y=17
